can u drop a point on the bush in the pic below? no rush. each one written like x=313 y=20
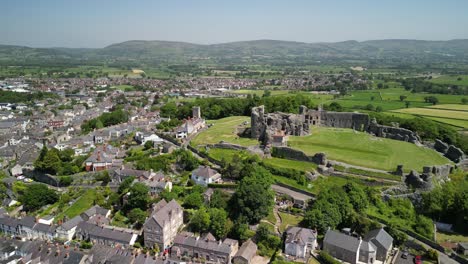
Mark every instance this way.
x=432 y=254
x=326 y=258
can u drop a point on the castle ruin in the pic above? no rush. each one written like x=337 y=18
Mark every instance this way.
x=264 y=126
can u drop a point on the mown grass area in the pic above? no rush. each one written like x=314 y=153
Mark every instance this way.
x=459 y=107
x=271 y=217
x=81 y=205
x=450 y=237
x=362 y=149
x=288 y=220
x=452 y=114
x=220 y=154
x=291 y=164
x=224 y=129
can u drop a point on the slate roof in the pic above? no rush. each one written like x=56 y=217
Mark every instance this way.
x=225 y=246
x=367 y=247
x=247 y=250
x=379 y=236
x=161 y=211
x=206 y=172
x=300 y=236
x=72 y=223
x=104 y=233
x=341 y=240
x=95 y=210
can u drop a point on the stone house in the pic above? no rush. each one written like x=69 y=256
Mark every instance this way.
x=105 y=235
x=376 y=246
x=299 y=241
x=205 y=175
x=245 y=253
x=462 y=248
x=205 y=249
x=162 y=226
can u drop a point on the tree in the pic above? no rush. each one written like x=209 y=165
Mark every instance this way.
x=370 y=107
x=37 y=195
x=372 y=98
x=218 y=220
x=380 y=85
x=137 y=217
x=378 y=109
x=148 y=145
x=407 y=104
x=464 y=100
x=262 y=232
x=357 y=196
x=139 y=197
x=193 y=200
x=253 y=198
x=200 y=221
x=219 y=199
x=125 y=185
x=403 y=97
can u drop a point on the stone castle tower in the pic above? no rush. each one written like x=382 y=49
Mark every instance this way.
x=196 y=112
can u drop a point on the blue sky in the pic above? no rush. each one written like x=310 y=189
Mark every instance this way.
x=98 y=23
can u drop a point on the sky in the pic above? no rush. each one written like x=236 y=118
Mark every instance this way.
x=98 y=23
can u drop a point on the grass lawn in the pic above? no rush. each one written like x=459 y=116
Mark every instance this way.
x=219 y=154
x=271 y=217
x=450 y=237
x=288 y=220
x=81 y=205
x=224 y=129
x=362 y=149
x=291 y=164
x=453 y=114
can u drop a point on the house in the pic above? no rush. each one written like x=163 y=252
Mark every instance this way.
x=66 y=231
x=376 y=246
x=280 y=139
x=205 y=175
x=141 y=138
x=203 y=249
x=102 y=158
x=245 y=253
x=300 y=242
x=192 y=125
x=105 y=235
x=463 y=248
x=342 y=246
x=162 y=226
x=382 y=241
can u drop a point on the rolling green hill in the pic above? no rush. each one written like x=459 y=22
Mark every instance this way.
x=258 y=51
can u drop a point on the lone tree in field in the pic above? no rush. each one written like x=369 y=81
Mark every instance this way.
x=403 y=97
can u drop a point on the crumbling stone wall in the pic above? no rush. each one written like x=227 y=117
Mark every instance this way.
x=264 y=126
x=431 y=174
x=450 y=152
x=357 y=121
x=396 y=133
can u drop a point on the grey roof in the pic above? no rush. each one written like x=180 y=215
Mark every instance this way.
x=72 y=223
x=95 y=210
x=379 y=237
x=341 y=240
x=205 y=244
x=300 y=235
x=367 y=247
x=206 y=172
x=162 y=210
x=247 y=250
x=104 y=233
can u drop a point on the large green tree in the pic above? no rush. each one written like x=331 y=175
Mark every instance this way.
x=37 y=195
x=253 y=198
x=138 y=197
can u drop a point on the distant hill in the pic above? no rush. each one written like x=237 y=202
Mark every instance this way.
x=391 y=51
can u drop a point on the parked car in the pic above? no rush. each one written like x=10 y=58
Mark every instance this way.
x=404 y=255
x=417 y=260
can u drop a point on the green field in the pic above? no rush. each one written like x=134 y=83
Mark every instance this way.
x=453 y=114
x=224 y=130
x=288 y=220
x=459 y=107
x=362 y=149
x=291 y=164
x=457 y=123
x=451 y=79
x=82 y=204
